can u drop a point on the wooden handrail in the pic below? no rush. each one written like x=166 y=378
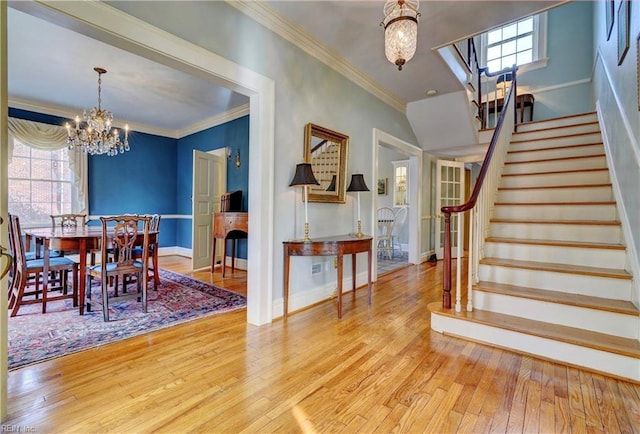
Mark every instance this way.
x=469 y=204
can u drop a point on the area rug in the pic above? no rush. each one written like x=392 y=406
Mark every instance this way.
x=35 y=337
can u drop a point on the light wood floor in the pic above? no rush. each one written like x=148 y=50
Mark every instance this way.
x=379 y=369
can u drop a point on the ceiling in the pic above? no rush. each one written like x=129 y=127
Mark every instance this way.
x=51 y=68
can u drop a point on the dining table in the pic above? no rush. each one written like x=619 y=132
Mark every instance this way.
x=81 y=239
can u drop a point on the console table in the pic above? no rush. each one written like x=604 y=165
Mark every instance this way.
x=329 y=246
x=228 y=226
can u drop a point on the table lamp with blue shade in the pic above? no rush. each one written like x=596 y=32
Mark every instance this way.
x=357 y=184
x=304 y=178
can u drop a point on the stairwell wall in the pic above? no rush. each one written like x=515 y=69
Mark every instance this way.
x=615 y=90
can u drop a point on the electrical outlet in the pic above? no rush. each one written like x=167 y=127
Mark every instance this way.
x=316 y=268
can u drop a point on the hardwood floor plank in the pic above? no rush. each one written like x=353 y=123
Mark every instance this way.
x=378 y=369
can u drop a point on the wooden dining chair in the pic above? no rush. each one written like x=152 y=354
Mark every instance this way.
x=122 y=233
x=154 y=226
x=60 y=267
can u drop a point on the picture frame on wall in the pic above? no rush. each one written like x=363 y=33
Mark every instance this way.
x=610 y=12
x=383 y=183
x=623 y=30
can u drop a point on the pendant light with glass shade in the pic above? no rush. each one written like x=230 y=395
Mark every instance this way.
x=400 y=24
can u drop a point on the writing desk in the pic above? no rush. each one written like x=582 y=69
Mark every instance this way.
x=329 y=246
x=228 y=226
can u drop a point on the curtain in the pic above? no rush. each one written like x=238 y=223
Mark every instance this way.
x=52 y=137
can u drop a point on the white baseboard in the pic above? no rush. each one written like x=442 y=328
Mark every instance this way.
x=300 y=300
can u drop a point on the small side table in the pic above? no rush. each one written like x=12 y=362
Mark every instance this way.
x=329 y=246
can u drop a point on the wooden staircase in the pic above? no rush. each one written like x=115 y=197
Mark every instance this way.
x=552 y=278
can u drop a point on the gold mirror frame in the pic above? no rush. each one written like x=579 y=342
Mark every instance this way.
x=327 y=152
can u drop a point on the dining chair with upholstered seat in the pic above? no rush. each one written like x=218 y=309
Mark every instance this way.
x=59 y=266
x=386 y=219
x=122 y=233
x=67 y=221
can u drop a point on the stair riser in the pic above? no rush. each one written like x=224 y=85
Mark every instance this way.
x=518 y=144
x=547 y=154
x=595 y=286
x=553 y=133
x=555 y=195
x=556 y=212
x=617 y=324
x=613 y=364
x=557 y=165
x=558 y=232
x=588 y=257
x=554 y=123
x=565 y=178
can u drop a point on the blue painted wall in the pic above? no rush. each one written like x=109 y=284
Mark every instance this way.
x=234 y=134
x=155 y=176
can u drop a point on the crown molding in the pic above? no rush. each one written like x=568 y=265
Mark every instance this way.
x=65 y=112
x=273 y=20
x=214 y=121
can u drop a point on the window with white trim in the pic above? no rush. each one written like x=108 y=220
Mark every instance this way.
x=40 y=183
x=519 y=43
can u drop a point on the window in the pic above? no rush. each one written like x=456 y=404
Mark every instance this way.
x=44 y=178
x=40 y=183
x=400 y=182
x=519 y=43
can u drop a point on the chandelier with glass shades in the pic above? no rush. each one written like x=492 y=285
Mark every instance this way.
x=400 y=24
x=96 y=136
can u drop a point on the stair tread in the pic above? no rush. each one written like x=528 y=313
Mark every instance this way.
x=553 y=172
x=547 y=187
x=539 y=139
x=598 y=341
x=548 y=120
x=554 y=148
x=559 y=268
x=583 y=244
x=547 y=160
x=558 y=222
x=554 y=203
x=580 y=300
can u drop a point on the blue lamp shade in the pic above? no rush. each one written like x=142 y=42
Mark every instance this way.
x=357 y=183
x=303 y=176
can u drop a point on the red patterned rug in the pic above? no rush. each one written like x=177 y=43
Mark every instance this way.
x=35 y=337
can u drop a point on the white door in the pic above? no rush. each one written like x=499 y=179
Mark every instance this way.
x=209 y=180
x=449 y=191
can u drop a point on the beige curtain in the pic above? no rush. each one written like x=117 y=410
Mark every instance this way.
x=52 y=137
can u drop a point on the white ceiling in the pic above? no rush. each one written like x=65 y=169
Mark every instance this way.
x=51 y=68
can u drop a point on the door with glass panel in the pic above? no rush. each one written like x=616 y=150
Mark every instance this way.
x=449 y=191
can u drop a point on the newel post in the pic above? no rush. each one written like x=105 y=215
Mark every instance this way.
x=446 y=284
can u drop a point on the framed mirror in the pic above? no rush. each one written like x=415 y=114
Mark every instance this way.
x=326 y=150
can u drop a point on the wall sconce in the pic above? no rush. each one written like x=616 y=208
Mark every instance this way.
x=227 y=152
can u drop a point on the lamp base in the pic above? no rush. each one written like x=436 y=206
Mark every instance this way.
x=306 y=238
x=359 y=234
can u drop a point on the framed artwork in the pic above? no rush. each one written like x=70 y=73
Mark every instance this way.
x=383 y=183
x=610 y=8
x=623 y=30
x=638 y=68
